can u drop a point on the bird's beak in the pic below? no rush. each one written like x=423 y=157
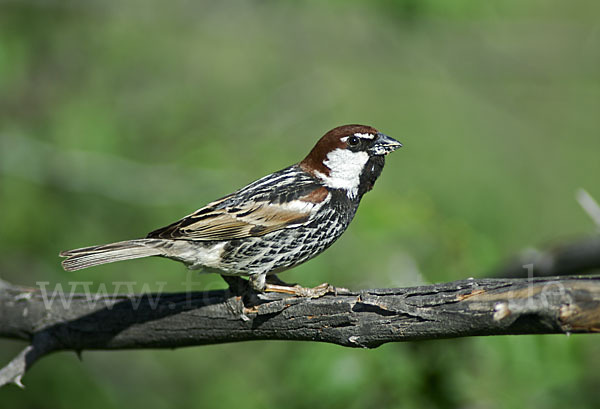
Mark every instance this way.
x=383 y=144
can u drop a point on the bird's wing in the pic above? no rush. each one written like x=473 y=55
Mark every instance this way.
x=228 y=219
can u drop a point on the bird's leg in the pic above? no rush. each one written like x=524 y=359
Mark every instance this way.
x=299 y=291
x=274 y=284
x=262 y=283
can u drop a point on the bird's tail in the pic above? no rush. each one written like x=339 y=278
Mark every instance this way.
x=85 y=257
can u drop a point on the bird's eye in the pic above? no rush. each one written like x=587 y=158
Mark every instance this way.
x=353 y=140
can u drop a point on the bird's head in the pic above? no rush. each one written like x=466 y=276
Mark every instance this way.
x=350 y=157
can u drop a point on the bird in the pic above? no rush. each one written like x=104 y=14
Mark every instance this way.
x=273 y=224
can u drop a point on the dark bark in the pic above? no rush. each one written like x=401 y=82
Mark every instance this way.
x=366 y=318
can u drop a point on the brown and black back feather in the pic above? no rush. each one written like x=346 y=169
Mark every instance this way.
x=255 y=210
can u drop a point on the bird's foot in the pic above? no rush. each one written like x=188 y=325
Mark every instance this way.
x=299 y=291
x=273 y=284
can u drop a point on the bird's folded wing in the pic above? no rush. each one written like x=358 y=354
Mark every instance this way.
x=251 y=218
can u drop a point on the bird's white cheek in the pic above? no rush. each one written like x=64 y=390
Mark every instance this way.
x=346 y=167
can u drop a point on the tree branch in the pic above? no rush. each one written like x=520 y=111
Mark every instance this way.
x=577 y=257
x=366 y=318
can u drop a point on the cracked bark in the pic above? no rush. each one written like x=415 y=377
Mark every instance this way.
x=366 y=318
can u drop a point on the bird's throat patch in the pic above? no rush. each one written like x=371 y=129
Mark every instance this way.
x=345 y=168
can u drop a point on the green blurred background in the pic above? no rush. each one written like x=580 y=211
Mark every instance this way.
x=120 y=117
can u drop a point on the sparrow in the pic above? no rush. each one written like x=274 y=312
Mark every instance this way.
x=270 y=225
